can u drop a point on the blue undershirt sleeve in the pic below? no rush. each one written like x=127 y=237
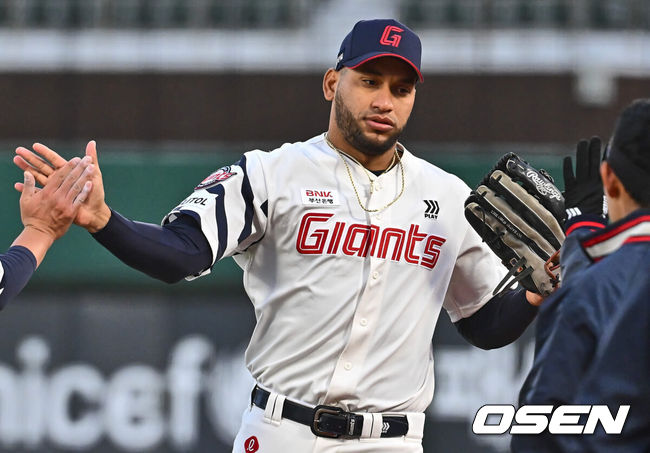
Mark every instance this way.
x=499 y=322
x=169 y=253
x=18 y=264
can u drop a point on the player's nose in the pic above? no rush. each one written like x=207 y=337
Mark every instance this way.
x=383 y=100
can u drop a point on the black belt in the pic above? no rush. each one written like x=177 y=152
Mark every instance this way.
x=331 y=421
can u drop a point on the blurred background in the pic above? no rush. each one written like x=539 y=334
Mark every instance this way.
x=97 y=358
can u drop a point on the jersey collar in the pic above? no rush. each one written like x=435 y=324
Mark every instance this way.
x=632 y=229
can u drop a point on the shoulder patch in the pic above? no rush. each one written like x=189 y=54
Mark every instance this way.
x=215 y=178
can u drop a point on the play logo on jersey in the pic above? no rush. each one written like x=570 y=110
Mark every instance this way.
x=320 y=197
x=215 y=178
x=432 y=210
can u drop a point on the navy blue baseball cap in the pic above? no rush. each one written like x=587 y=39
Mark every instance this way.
x=376 y=38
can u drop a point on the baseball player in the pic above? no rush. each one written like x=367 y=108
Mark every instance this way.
x=591 y=339
x=350 y=247
x=46 y=214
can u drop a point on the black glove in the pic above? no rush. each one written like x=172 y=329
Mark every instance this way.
x=583 y=193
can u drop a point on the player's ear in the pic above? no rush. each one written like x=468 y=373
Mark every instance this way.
x=330 y=81
x=611 y=183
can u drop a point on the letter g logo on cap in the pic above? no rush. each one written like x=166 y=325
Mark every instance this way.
x=391 y=40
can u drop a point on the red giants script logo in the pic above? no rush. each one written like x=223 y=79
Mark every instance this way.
x=366 y=240
x=387 y=39
x=251 y=444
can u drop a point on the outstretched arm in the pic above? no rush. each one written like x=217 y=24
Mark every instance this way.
x=500 y=321
x=168 y=253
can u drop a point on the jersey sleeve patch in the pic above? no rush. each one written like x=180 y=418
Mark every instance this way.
x=215 y=178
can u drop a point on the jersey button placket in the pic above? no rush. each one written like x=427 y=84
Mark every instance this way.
x=348 y=373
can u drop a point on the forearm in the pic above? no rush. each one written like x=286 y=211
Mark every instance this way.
x=36 y=241
x=167 y=253
x=499 y=322
x=18 y=265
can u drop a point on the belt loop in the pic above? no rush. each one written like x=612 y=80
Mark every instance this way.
x=366 y=429
x=270 y=406
x=416 y=425
x=276 y=417
x=375 y=432
x=250 y=401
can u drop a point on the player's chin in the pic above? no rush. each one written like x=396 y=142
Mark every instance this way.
x=381 y=138
x=376 y=147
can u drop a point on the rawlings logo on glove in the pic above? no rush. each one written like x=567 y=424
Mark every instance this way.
x=518 y=212
x=544 y=187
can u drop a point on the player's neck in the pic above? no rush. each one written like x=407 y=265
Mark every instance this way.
x=373 y=163
x=621 y=207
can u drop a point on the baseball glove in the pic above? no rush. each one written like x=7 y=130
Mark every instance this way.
x=518 y=212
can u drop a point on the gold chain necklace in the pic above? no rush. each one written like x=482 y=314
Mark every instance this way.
x=356 y=192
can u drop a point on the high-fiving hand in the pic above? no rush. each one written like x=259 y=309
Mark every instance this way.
x=43 y=162
x=583 y=192
x=50 y=210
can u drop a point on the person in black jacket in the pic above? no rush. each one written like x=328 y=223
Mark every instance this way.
x=592 y=340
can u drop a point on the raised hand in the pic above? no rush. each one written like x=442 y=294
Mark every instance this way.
x=47 y=213
x=52 y=209
x=583 y=192
x=42 y=163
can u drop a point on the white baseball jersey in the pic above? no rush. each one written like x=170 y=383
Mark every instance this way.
x=346 y=301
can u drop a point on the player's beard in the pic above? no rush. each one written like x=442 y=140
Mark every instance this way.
x=354 y=135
